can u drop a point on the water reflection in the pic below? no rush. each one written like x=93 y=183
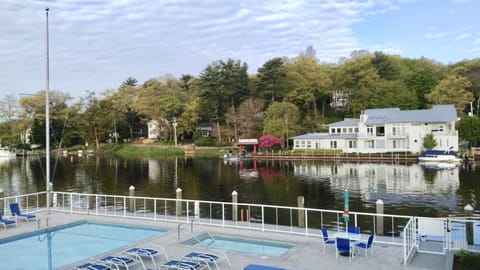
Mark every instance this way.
x=408 y=189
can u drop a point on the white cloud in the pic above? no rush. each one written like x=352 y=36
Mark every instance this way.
x=463 y=36
x=435 y=35
x=99 y=43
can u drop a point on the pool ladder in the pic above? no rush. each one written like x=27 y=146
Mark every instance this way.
x=180 y=225
x=39 y=221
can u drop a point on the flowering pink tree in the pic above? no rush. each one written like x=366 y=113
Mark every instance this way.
x=269 y=141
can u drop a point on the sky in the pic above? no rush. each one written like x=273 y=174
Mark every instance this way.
x=96 y=45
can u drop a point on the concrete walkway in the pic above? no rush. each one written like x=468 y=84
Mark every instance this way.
x=307 y=254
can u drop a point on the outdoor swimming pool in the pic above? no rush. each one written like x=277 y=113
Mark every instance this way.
x=258 y=247
x=63 y=245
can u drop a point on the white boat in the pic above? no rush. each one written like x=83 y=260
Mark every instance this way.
x=437 y=166
x=439 y=156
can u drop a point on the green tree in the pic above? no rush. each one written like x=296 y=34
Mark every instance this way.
x=272 y=81
x=308 y=84
x=358 y=77
x=452 y=90
x=222 y=85
x=429 y=141
x=422 y=77
x=281 y=120
x=469 y=129
x=97 y=118
x=34 y=108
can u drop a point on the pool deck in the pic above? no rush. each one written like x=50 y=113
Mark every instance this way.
x=308 y=252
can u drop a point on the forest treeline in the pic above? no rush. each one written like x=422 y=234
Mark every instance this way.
x=285 y=97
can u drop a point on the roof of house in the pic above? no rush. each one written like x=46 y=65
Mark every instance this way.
x=347 y=122
x=310 y=136
x=438 y=113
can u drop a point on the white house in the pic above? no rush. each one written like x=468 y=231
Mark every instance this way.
x=387 y=130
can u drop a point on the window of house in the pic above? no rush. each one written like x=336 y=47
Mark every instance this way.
x=370 y=131
x=309 y=144
x=344 y=130
x=352 y=144
x=380 y=131
x=333 y=144
x=370 y=144
x=339 y=130
x=356 y=130
x=350 y=130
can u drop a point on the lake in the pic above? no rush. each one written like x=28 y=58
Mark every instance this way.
x=406 y=189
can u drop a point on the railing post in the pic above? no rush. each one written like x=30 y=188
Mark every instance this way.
x=234 y=206
x=468 y=209
x=379 y=222
x=50 y=203
x=2 y=201
x=301 y=213
x=178 y=202
x=131 y=204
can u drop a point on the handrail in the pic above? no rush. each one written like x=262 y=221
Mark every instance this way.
x=268 y=218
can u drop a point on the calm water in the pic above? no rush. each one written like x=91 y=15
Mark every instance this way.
x=405 y=189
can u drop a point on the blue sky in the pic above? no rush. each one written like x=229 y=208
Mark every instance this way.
x=96 y=44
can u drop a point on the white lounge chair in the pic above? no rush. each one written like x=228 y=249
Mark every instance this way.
x=122 y=261
x=152 y=254
x=207 y=258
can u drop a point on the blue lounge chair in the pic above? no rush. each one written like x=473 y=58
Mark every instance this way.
x=182 y=265
x=344 y=246
x=262 y=267
x=366 y=245
x=122 y=261
x=15 y=210
x=92 y=266
x=207 y=258
x=7 y=222
x=148 y=253
x=326 y=239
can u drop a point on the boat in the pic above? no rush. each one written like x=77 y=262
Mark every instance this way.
x=438 y=166
x=439 y=156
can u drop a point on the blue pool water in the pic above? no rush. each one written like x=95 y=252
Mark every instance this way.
x=67 y=244
x=258 y=247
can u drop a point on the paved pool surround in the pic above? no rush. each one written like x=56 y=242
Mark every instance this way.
x=307 y=254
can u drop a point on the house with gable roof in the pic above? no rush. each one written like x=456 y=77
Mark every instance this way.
x=387 y=130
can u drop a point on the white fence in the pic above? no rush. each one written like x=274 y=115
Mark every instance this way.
x=412 y=233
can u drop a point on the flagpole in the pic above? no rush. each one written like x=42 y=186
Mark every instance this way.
x=47 y=118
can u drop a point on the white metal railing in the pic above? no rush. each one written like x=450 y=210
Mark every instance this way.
x=406 y=231
x=294 y=220
x=409 y=240
x=29 y=203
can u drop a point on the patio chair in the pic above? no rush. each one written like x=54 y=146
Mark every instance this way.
x=93 y=266
x=150 y=253
x=207 y=258
x=15 y=210
x=183 y=265
x=353 y=229
x=7 y=222
x=366 y=245
x=344 y=246
x=262 y=267
x=326 y=239
x=122 y=261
